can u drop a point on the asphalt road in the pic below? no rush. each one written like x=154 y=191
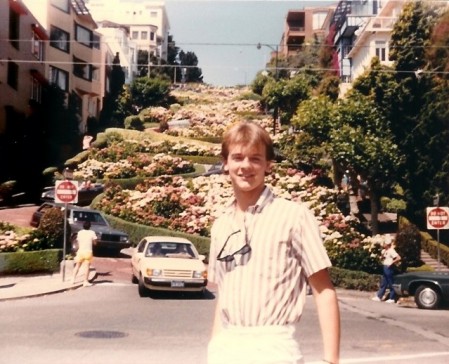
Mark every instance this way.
x=110 y=323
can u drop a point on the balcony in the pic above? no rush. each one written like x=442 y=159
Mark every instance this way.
x=350 y=26
x=381 y=24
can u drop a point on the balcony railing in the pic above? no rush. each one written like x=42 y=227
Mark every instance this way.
x=381 y=23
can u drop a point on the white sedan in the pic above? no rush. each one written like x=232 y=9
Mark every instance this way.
x=164 y=263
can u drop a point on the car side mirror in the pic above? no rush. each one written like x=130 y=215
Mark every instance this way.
x=201 y=257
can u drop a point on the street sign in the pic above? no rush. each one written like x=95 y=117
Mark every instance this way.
x=66 y=192
x=437 y=218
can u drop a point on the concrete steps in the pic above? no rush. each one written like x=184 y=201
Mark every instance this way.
x=426 y=258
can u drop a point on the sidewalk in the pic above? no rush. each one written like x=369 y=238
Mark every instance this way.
x=15 y=287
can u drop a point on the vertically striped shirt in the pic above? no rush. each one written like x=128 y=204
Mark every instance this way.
x=268 y=285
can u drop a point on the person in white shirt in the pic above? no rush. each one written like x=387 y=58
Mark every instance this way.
x=263 y=251
x=86 y=240
x=389 y=258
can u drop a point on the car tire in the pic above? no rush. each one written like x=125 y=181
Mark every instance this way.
x=134 y=279
x=427 y=297
x=143 y=291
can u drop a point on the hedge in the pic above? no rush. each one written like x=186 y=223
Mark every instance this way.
x=137 y=231
x=41 y=261
x=430 y=245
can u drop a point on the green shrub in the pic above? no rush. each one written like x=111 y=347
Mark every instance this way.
x=393 y=205
x=44 y=261
x=408 y=246
x=50 y=233
x=357 y=280
x=353 y=256
x=134 y=122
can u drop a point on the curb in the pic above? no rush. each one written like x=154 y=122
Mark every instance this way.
x=62 y=287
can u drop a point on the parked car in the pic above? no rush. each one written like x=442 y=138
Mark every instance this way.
x=163 y=263
x=85 y=194
x=214 y=169
x=430 y=289
x=108 y=238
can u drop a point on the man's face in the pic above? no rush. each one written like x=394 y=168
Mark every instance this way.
x=247 y=167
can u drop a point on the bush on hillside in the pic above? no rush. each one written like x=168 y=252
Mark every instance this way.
x=134 y=122
x=50 y=233
x=408 y=246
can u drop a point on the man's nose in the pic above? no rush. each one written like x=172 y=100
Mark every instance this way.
x=246 y=162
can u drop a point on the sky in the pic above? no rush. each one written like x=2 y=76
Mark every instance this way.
x=224 y=34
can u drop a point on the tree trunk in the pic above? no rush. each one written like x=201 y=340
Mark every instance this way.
x=374 y=212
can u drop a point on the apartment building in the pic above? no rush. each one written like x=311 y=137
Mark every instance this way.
x=74 y=58
x=361 y=30
x=116 y=40
x=22 y=67
x=302 y=26
x=146 y=21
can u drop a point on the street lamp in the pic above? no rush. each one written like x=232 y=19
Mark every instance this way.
x=276 y=107
x=276 y=50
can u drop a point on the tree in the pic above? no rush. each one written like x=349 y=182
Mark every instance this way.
x=418 y=110
x=362 y=142
x=306 y=147
x=147 y=92
x=110 y=104
x=189 y=61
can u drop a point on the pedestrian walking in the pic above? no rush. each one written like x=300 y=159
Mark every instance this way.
x=264 y=250
x=86 y=240
x=389 y=259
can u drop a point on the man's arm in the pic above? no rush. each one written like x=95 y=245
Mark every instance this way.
x=328 y=314
x=217 y=326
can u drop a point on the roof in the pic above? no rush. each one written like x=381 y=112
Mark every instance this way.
x=166 y=239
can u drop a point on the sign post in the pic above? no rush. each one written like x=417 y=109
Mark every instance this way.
x=437 y=219
x=65 y=192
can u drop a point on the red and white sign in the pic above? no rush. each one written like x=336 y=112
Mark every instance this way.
x=437 y=218
x=66 y=192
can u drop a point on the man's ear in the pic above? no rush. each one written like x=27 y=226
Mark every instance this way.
x=268 y=168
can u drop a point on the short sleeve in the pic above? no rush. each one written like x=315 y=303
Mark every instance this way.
x=308 y=241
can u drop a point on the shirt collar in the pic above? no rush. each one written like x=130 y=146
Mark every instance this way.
x=264 y=199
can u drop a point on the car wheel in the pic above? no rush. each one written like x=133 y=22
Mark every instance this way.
x=134 y=279
x=427 y=297
x=143 y=291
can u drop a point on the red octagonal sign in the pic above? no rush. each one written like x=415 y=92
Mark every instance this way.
x=438 y=218
x=66 y=192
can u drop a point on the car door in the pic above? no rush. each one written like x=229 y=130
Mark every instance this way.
x=139 y=253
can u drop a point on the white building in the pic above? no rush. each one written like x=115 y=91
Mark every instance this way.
x=147 y=21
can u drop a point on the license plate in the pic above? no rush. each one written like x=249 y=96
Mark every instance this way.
x=177 y=284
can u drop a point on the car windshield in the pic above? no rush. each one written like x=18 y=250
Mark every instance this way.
x=93 y=217
x=170 y=250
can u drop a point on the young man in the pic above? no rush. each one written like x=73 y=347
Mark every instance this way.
x=264 y=249
x=86 y=240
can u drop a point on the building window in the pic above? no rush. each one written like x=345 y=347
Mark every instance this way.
x=61 y=5
x=152 y=36
x=144 y=35
x=13 y=75
x=135 y=35
x=36 y=90
x=59 y=39
x=59 y=78
x=83 y=35
x=96 y=41
x=318 y=20
x=82 y=69
x=14 y=28
x=381 y=50
x=95 y=73
x=37 y=47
